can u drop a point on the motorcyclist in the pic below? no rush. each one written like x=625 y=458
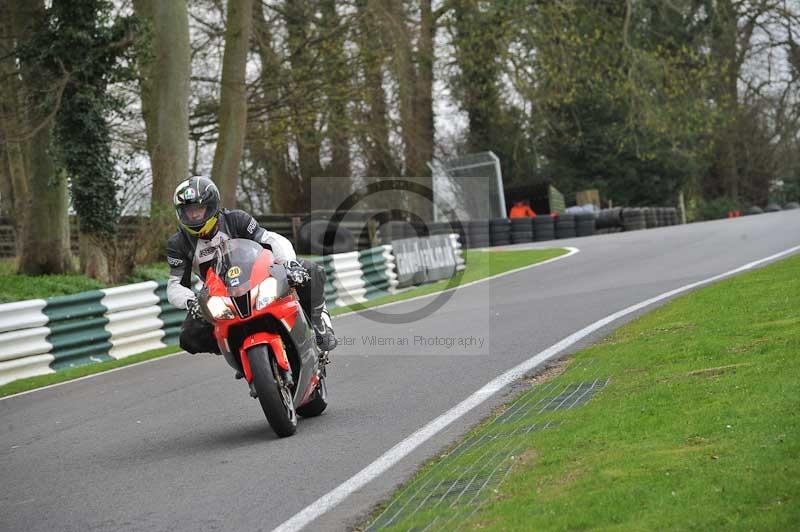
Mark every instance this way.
x=203 y=226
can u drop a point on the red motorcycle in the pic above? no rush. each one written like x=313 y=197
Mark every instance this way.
x=264 y=334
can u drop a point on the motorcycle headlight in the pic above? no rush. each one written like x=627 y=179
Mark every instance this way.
x=219 y=308
x=267 y=292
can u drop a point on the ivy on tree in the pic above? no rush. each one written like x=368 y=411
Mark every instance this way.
x=82 y=45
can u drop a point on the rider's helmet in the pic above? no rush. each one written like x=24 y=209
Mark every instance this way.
x=196 y=203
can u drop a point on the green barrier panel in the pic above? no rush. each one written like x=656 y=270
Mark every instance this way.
x=83 y=305
x=77 y=329
x=330 y=294
x=373 y=266
x=171 y=317
x=375 y=281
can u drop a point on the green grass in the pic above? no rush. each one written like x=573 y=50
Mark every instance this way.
x=698 y=429
x=480 y=264
x=151 y=272
x=16 y=287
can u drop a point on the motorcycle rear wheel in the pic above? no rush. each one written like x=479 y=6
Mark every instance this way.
x=275 y=399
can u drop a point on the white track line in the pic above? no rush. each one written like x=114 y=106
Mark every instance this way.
x=405 y=447
x=571 y=250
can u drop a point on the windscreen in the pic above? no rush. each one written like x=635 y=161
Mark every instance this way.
x=241 y=264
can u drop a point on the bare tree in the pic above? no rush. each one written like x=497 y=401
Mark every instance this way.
x=165 y=68
x=337 y=92
x=233 y=100
x=28 y=102
x=374 y=126
x=269 y=132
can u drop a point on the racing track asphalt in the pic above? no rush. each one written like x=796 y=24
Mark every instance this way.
x=177 y=444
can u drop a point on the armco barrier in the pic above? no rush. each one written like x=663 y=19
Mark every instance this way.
x=458 y=250
x=24 y=350
x=78 y=332
x=42 y=336
x=378 y=271
x=359 y=275
x=45 y=335
x=347 y=279
x=133 y=319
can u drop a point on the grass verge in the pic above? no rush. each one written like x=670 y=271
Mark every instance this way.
x=480 y=264
x=698 y=428
x=18 y=287
x=23 y=385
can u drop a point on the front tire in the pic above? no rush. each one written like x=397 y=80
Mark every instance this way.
x=318 y=402
x=275 y=398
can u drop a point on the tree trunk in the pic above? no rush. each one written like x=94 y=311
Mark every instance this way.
x=164 y=81
x=233 y=100
x=303 y=102
x=477 y=46
x=269 y=143
x=337 y=92
x=424 y=90
x=380 y=162
x=6 y=188
x=165 y=73
x=407 y=83
x=415 y=78
x=45 y=247
x=423 y=112
x=40 y=194
x=15 y=169
x=730 y=46
x=94 y=261
x=14 y=172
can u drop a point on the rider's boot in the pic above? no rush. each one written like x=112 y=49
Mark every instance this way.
x=326 y=338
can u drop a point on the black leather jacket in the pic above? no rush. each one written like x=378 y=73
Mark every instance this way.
x=187 y=254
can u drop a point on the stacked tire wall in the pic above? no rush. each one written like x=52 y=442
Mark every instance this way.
x=544 y=227
x=521 y=230
x=500 y=231
x=478 y=234
x=565 y=226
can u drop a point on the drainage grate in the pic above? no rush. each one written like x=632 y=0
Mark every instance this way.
x=454 y=489
x=574 y=395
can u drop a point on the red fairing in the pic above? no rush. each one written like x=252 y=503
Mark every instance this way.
x=284 y=309
x=262 y=338
x=215 y=285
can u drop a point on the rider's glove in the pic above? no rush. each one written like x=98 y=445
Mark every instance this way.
x=296 y=275
x=193 y=306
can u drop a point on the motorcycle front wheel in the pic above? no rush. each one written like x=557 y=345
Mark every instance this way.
x=274 y=396
x=318 y=402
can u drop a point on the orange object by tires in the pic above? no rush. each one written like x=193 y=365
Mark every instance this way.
x=520 y=210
